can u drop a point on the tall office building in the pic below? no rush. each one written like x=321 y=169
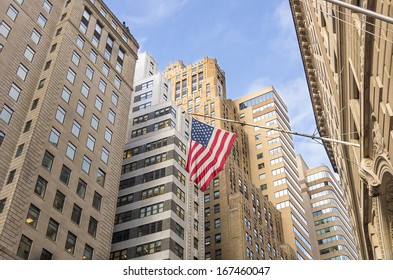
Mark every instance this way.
x=158 y=216
x=334 y=234
x=273 y=163
x=347 y=60
x=66 y=77
x=239 y=222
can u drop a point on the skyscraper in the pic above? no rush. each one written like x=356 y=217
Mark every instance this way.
x=273 y=163
x=347 y=60
x=239 y=222
x=158 y=216
x=66 y=72
x=334 y=234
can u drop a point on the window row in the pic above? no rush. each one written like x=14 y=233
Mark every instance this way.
x=26 y=243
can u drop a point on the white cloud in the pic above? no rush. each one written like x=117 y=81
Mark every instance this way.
x=283 y=14
x=152 y=11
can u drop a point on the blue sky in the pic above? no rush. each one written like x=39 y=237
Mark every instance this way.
x=254 y=42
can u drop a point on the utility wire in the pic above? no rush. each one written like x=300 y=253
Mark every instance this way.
x=353 y=25
x=281 y=130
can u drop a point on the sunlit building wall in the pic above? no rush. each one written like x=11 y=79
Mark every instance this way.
x=66 y=78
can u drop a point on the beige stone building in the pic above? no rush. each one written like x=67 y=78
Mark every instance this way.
x=328 y=212
x=273 y=166
x=66 y=71
x=239 y=222
x=347 y=56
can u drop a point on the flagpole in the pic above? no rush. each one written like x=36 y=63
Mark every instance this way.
x=361 y=10
x=281 y=130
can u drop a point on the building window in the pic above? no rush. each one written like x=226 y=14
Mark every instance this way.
x=75 y=58
x=80 y=108
x=33 y=215
x=22 y=72
x=11 y=177
x=111 y=116
x=97 y=201
x=81 y=189
x=65 y=94
x=108 y=48
x=105 y=69
x=52 y=229
x=71 y=76
x=90 y=142
x=70 y=151
x=47 y=161
x=4 y=29
x=89 y=72
x=40 y=186
x=47 y=6
x=58 y=31
x=104 y=155
x=58 y=202
x=46 y=255
x=41 y=84
x=80 y=42
x=12 y=12
x=97 y=34
x=60 y=114
x=2 y=136
x=19 y=150
x=85 y=90
x=6 y=114
x=70 y=243
x=92 y=229
x=34 y=104
x=88 y=253
x=117 y=82
x=47 y=65
x=65 y=174
x=114 y=99
x=29 y=53
x=217 y=223
x=86 y=163
x=101 y=175
x=85 y=21
x=98 y=103
x=102 y=86
x=95 y=121
x=76 y=214
x=179 y=251
x=108 y=135
x=218 y=238
x=35 y=36
x=14 y=92
x=76 y=128
x=93 y=56
x=24 y=247
x=120 y=60
x=41 y=20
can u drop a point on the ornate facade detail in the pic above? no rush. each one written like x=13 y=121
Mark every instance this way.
x=389 y=202
x=367 y=173
x=378 y=147
x=376 y=223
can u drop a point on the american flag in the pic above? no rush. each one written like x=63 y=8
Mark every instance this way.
x=209 y=149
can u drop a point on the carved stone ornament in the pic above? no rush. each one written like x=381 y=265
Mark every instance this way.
x=389 y=201
x=366 y=172
x=378 y=148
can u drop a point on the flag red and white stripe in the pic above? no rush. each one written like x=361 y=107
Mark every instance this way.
x=209 y=150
